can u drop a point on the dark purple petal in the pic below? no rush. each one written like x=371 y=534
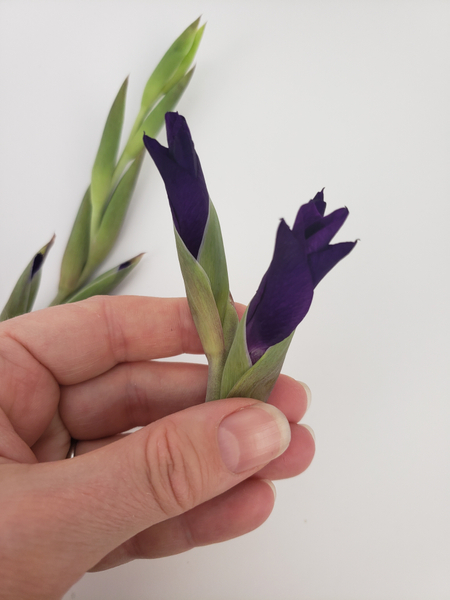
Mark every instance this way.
x=319 y=202
x=311 y=214
x=314 y=226
x=324 y=233
x=180 y=143
x=323 y=261
x=182 y=174
x=283 y=297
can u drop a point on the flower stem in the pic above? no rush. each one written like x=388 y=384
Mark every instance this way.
x=215 y=369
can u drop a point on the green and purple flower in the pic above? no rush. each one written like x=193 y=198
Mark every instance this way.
x=199 y=244
x=302 y=257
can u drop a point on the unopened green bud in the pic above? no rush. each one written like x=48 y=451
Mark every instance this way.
x=77 y=250
x=155 y=120
x=106 y=159
x=24 y=293
x=109 y=227
x=169 y=66
x=104 y=284
x=185 y=63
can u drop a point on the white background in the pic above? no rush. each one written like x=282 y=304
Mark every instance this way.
x=288 y=97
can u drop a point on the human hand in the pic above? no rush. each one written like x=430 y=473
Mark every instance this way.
x=195 y=474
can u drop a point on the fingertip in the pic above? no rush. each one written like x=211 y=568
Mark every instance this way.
x=272 y=487
x=310 y=429
x=292 y=397
x=297 y=457
x=308 y=394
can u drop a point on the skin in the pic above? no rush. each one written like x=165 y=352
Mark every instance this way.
x=89 y=371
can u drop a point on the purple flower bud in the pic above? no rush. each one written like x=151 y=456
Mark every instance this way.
x=302 y=257
x=181 y=171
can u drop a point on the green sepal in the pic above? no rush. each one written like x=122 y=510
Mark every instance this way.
x=113 y=218
x=211 y=257
x=168 y=66
x=24 y=293
x=152 y=125
x=105 y=161
x=241 y=379
x=201 y=301
x=205 y=315
x=259 y=380
x=229 y=324
x=107 y=282
x=77 y=250
x=238 y=361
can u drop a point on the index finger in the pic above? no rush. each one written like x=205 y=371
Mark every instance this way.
x=76 y=342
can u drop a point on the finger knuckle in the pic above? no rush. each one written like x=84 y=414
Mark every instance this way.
x=175 y=469
x=113 y=330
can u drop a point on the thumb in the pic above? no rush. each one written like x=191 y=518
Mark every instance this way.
x=85 y=507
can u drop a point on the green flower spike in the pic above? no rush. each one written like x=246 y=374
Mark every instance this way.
x=105 y=203
x=24 y=293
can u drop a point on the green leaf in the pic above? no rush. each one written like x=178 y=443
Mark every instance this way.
x=169 y=65
x=24 y=293
x=105 y=161
x=107 y=282
x=77 y=250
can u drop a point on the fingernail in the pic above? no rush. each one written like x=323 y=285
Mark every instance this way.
x=253 y=436
x=272 y=487
x=308 y=394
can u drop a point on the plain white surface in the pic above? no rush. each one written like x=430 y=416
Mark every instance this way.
x=288 y=97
